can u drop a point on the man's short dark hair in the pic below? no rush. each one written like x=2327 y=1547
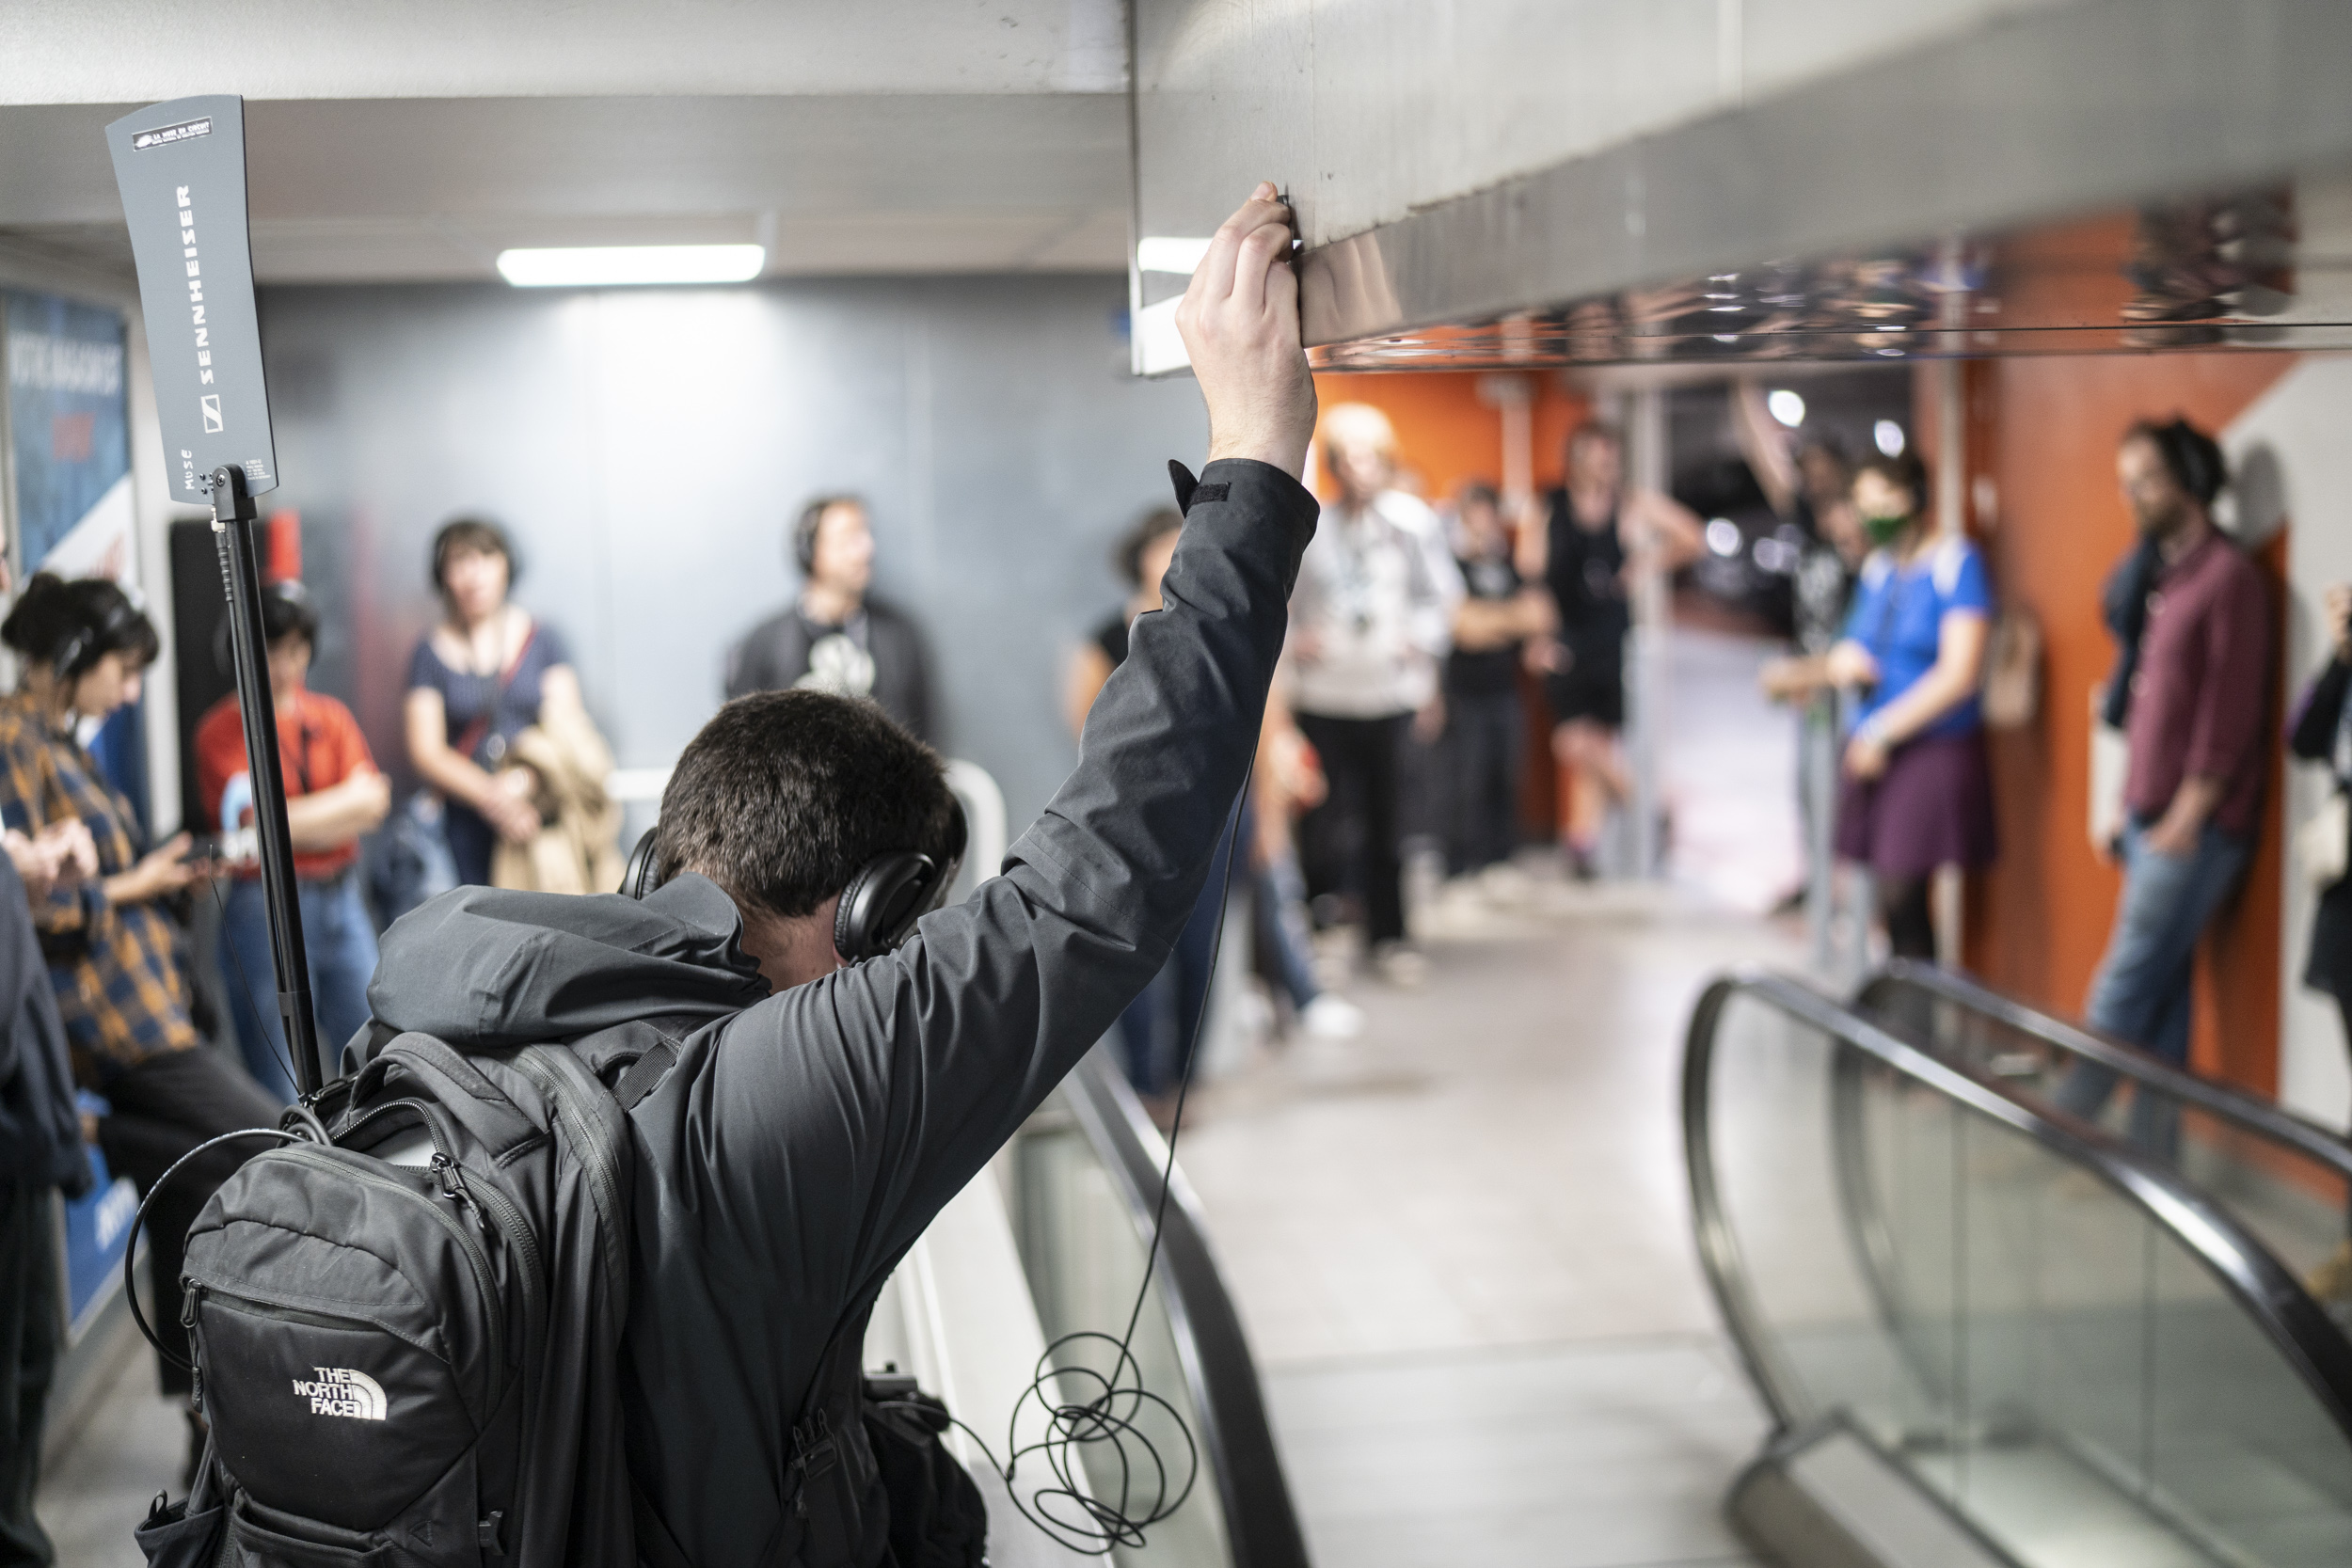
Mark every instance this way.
x=2192 y=457
x=784 y=795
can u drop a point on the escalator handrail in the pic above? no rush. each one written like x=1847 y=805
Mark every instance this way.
x=1236 y=1438
x=2259 y=1117
x=2296 y=1325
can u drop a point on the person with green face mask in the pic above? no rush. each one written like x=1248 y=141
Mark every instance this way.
x=1917 y=791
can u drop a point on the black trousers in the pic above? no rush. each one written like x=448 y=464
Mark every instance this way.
x=1349 y=843
x=1485 y=738
x=164 y=1107
x=32 y=1331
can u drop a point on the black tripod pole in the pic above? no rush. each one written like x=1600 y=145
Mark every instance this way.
x=233 y=535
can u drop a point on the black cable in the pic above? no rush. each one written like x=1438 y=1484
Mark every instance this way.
x=1067 y=1510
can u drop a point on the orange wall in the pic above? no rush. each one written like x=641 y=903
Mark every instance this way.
x=1446 y=435
x=2043 y=430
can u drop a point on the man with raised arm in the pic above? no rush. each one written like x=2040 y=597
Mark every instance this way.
x=818 y=1115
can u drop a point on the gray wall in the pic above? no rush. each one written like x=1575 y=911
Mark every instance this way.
x=646 y=447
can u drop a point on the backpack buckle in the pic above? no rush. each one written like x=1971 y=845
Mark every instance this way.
x=485 y=1533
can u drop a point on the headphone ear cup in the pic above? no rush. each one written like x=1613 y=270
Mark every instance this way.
x=68 y=662
x=881 y=904
x=645 y=866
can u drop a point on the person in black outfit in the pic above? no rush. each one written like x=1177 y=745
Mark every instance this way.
x=1484 y=722
x=838 y=636
x=2322 y=731
x=41 y=1153
x=1597 y=535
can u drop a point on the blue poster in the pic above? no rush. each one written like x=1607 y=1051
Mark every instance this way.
x=97 y=1229
x=68 y=434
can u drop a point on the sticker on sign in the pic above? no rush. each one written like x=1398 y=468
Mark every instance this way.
x=170 y=134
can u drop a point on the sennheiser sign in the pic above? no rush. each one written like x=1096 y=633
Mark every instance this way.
x=181 y=166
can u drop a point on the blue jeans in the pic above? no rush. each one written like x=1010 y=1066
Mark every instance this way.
x=1156 y=1032
x=340 y=943
x=2142 y=992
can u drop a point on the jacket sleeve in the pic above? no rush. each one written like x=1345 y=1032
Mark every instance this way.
x=874 y=1095
x=2313 y=734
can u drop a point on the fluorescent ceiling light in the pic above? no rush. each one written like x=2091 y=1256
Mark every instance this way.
x=1168 y=253
x=1786 y=406
x=599 y=266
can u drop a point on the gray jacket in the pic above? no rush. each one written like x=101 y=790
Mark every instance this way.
x=804 y=1140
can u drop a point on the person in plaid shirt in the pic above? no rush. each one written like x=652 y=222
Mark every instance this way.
x=111 y=952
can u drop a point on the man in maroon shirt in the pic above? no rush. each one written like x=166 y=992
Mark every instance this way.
x=2197 y=728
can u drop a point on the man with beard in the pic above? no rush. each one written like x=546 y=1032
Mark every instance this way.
x=2197 y=735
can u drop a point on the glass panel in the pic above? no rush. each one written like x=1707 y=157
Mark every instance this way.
x=2294 y=1203
x=2027 y=1342
x=1085 y=1258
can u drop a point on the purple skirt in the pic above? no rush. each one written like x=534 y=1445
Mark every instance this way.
x=1931 y=807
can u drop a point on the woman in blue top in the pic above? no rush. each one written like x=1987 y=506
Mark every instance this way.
x=1917 y=792
x=479 y=679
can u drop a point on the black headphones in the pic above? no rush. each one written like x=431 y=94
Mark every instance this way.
x=84 y=646
x=879 y=906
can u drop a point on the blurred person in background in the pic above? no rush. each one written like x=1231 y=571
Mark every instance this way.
x=333 y=795
x=1813 y=492
x=2322 y=731
x=837 y=637
x=485 y=674
x=1369 y=621
x=1597 y=538
x=2197 y=739
x=111 y=947
x=41 y=1153
x=1153 y=1030
x=1917 y=793
x=1287 y=780
x=1485 y=724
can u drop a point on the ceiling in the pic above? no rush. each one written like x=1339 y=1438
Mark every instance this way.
x=417 y=140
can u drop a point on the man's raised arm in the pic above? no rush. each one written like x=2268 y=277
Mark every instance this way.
x=941 y=1050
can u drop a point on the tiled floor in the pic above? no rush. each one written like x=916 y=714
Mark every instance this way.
x=1462 y=1247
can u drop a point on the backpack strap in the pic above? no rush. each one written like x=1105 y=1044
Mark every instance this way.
x=643 y=1073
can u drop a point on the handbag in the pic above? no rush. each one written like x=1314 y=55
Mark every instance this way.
x=2323 y=845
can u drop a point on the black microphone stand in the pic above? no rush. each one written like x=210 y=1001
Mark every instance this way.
x=232 y=536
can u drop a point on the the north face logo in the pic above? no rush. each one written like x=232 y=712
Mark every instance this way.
x=340 y=1391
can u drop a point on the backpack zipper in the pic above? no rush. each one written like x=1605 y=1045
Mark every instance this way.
x=485 y=1279
x=494 y=1207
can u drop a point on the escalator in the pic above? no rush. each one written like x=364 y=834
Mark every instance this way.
x=1030 y=1277
x=1990 y=1333
x=2283 y=1177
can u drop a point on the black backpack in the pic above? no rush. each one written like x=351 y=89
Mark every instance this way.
x=407 y=1341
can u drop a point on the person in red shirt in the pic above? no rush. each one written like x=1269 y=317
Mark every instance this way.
x=2198 y=728
x=333 y=795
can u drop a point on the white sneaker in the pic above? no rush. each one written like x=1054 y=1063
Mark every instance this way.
x=1332 y=1017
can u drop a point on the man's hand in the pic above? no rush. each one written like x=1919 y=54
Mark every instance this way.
x=2176 y=832
x=39 y=871
x=2338 y=610
x=1239 y=319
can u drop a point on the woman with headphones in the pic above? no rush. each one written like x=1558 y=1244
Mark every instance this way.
x=479 y=679
x=113 y=953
